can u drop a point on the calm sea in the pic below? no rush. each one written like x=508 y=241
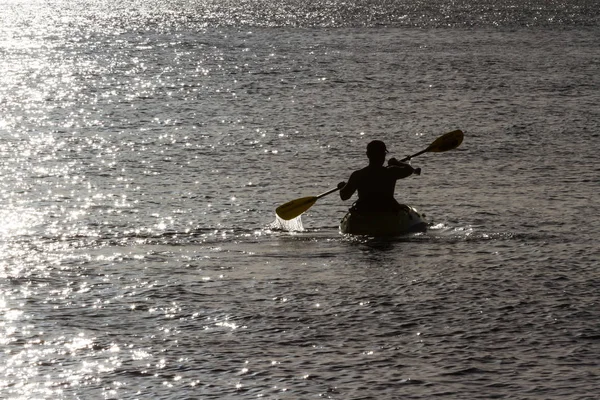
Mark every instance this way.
x=144 y=146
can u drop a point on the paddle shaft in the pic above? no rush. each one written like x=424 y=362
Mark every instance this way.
x=292 y=209
x=414 y=155
x=328 y=192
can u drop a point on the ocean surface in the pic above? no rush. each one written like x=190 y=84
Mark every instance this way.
x=144 y=146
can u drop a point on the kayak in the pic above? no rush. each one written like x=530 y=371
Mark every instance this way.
x=390 y=223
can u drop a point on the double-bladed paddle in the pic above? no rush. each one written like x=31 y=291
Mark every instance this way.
x=292 y=209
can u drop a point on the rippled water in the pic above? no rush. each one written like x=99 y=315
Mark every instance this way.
x=145 y=145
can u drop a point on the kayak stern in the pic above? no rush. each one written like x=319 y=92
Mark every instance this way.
x=394 y=223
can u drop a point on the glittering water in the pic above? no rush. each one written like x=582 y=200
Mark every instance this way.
x=145 y=145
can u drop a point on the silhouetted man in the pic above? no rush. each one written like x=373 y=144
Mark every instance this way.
x=375 y=183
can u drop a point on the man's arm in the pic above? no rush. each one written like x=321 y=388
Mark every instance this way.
x=402 y=170
x=348 y=189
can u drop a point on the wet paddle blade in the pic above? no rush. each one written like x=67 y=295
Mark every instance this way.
x=449 y=141
x=292 y=209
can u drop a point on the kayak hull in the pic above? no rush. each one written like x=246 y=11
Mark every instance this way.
x=394 y=223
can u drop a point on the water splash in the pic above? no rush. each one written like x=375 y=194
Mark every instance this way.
x=292 y=225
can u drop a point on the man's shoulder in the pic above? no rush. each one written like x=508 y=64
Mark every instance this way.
x=361 y=172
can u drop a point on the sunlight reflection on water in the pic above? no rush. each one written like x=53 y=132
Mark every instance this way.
x=144 y=146
x=18 y=221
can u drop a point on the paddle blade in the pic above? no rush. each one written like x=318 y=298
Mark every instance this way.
x=292 y=209
x=449 y=141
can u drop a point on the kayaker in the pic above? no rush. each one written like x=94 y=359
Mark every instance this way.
x=376 y=183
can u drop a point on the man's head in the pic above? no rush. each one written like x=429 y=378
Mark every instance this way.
x=376 y=152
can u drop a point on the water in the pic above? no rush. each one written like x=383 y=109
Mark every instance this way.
x=145 y=145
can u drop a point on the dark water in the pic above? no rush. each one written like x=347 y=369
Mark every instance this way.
x=145 y=145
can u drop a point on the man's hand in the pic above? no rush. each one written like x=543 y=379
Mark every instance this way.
x=393 y=161
x=341 y=185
